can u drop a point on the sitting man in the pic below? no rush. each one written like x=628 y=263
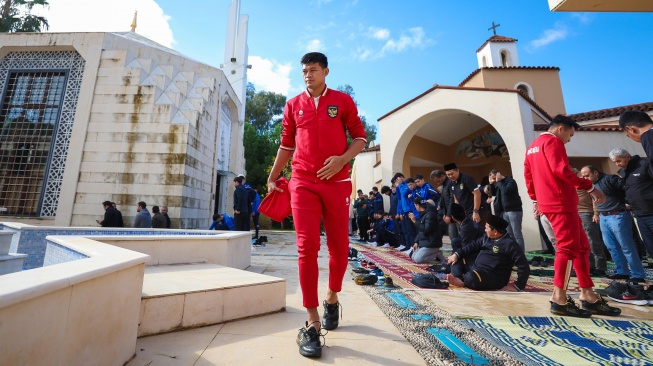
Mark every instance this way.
x=429 y=237
x=385 y=235
x=374 y=231
x=497 y=254
x=222 y=222
x=468 y=230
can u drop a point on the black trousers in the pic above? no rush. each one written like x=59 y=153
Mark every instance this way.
x=363 y=226
x=241 y=221
x=386 y=236
x=255 y=218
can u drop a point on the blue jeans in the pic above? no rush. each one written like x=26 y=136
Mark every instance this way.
x=618 y=237
x=515 y=218
x=645 y=225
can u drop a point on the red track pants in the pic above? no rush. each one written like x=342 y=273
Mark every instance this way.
x=572 y=246
x=311 y=201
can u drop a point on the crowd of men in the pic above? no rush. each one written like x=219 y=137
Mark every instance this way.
x=159 y=218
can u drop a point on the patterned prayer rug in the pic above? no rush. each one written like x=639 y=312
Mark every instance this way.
x=568 y=341
x=401 y=268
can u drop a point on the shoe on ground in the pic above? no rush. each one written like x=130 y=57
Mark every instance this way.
x=388 y=282
x=600 y=307
x=569 y=309
x=618 y=276
x=366 y=279
x=386 y=245
x=614 y=288
x=634 y=295
x=308 y=341
x=401 y=247
x=330 y=317
x=597 y=273
x=360 y=270
x=636 y=280
x=373 y=243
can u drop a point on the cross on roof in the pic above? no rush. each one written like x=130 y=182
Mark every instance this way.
x=494 y=28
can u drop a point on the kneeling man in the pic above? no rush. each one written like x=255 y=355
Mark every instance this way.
x=496 y=254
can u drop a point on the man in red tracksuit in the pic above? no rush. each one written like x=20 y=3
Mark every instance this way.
x=552 y=186
x=315 y=124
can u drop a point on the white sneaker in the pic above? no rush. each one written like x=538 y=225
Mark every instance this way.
x=373 y=243
x=401 y=247
x=386 y=245
x=409 y=251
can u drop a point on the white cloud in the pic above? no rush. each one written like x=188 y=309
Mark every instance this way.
x=414 y=39
x=269 y=75
x=379 y=33
x=315 y=45
x=109 y=16
x=583 y=18
x=549 y=36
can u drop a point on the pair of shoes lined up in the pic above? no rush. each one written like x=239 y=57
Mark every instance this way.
x=632 y=293
x=308 y=339
x=598 y=307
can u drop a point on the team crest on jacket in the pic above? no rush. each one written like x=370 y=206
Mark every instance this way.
x=495 y=249
x=332 y=110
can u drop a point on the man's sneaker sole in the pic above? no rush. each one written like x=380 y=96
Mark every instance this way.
x=632 y=302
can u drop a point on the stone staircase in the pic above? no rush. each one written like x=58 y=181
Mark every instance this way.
x=9 y=263
x=182 y=296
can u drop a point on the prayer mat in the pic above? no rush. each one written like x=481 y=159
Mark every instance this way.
x=401 y=268
x=568 y=341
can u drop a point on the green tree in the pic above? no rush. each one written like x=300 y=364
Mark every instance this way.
x=370 y=130
x=17 y=16
x=263 y=114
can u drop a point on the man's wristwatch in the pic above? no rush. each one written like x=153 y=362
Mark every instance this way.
x=476 y=211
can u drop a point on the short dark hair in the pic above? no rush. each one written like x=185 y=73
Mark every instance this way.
x=634 y=118
x=494 y=171
x=592 y=168
x=397 y=175
x=216 y=216
x=410 y=180
x=419 y=176
x=360 y=191
x=106 y=203
x=313 y=57
x=142 y=204
x=562 y=120
x=239 y=180
x=437 y=173
x=385 y=189
x=155 y=209
x=500 y=231
x=375 y=189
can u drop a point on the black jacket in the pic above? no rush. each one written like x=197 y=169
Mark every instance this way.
x=394 y=201
x=510 y=199
x=498 y=257
x=639 y=186
x=241 y=202
x=112 y=218
x=615 y=193
x=428 y=229
x=447 y=198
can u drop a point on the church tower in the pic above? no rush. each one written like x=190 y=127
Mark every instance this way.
x=498 y=51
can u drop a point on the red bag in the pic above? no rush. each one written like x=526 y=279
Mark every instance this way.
x=276 y=205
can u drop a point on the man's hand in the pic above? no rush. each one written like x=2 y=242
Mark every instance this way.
x=452 y=259
x=447 y=220
x=272 y=186
x=415 y=247
x=332 y=165
x=237 y=212
x=598 y=196
x=536 y=210
x=476 y=217
x=509 y=287
x=98 y=222
x=411 y=216
x=596 y=219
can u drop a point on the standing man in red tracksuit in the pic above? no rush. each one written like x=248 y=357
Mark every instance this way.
x=314 y=134
x=552 y=186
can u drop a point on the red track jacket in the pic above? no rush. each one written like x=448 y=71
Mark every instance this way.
x=549 y=178
x=314 y=134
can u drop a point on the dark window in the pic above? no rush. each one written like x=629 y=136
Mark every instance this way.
x=29 y=115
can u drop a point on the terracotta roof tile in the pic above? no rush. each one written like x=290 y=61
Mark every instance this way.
x=373 y=148
x=593 y=128
x=496 y=38
x=611 y=112
x=507 y=68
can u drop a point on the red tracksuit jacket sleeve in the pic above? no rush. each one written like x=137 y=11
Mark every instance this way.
x=559 y=162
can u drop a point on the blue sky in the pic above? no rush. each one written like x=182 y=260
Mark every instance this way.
x=391 y=51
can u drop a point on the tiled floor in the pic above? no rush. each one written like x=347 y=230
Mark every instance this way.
x=365 y=337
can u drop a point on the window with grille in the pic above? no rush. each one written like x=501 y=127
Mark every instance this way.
x=30 y=110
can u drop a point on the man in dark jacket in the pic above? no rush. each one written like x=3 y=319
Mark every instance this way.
x=638 y=182
x=440 y=179
x=158 y=220
x=360 y=204
x=497 y=254
x=511 y=206
x=429 y=239
x=467 y=228
x=466 y=192
x=112 y=217
x=241 y=206
x=164 y=212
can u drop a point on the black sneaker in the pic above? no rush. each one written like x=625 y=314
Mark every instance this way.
x=615 y=288
x=597 y=273
x=308 y=341
x=331 y=313
x=600 y=307
x=634 y=294
x=366 y=279
x=618 y=276
x=569 y=309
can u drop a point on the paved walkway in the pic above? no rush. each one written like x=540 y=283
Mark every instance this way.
x=365 y=336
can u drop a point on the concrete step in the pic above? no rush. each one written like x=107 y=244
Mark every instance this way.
x=5 y=241
x=10 y=263
x=185 y=296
